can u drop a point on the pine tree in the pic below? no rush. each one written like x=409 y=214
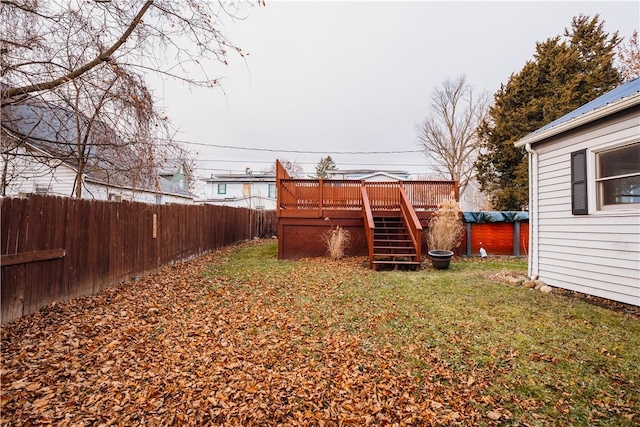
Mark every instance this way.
x=564 y=74
x=325 y=164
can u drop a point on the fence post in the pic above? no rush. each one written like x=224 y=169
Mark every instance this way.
x=321 y=197
x=468 y=239
x=516 y=238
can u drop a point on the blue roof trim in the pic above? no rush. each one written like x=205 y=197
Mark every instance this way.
x=622 y=91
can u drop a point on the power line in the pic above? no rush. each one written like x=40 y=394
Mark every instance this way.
x=273 y=150
x=269 y=162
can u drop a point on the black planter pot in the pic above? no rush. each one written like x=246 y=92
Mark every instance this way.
x=440 y=259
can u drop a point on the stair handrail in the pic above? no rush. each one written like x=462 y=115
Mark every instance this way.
x=413 y=223
x=369 y=225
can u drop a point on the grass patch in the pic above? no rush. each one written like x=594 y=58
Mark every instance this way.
x=540 y=358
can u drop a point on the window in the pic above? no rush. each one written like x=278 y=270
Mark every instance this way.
x=42 y=189
x=246 y=190
x=618 y=176
x=222 y=188
x=158 y=199
x=272 y=191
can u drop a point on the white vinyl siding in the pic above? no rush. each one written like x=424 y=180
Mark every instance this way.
x=241 y=194
x=59 y=181
x=598 y=253
x=24 y=176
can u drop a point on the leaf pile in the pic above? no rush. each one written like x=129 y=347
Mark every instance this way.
x=227 y=341
x=183 y=347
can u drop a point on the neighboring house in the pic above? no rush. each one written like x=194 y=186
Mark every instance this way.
x=369 y=174
x=176 y=171
x=247 y=190
x=38 y=152
x=584 y=185
x=472 y=199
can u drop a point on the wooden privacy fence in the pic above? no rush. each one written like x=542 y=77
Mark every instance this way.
x=56 y=249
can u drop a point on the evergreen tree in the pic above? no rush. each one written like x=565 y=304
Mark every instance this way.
x=564 y=74
x=325 y=164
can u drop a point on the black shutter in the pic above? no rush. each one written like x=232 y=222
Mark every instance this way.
x=579 y=204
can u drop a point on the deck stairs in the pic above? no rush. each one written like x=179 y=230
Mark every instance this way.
x=392 y=245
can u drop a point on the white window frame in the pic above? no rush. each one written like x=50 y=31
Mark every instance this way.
x=273 y=191
x=593 y=180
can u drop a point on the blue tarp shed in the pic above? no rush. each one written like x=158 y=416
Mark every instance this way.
x=492 y=216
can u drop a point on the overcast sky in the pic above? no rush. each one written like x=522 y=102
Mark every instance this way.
x=357 y=76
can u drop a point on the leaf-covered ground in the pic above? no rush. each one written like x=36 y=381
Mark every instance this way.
x=239 y=338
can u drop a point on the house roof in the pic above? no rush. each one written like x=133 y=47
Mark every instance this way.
x=242 y=177
x=383 y=174
x=618 y=99
x=366 y=172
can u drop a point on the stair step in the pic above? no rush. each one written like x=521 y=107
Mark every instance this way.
x=392 y=244
x=382 y=256
x=390 y=253
x=389 y=233
x=396 y=262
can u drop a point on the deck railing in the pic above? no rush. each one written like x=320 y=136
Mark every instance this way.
x=318 y=194
x=428 y=195
x=413 y=223
x=384 y=195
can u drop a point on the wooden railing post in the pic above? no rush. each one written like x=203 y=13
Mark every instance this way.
x=320 y=197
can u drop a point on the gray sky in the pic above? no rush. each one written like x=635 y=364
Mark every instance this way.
x=357 y=76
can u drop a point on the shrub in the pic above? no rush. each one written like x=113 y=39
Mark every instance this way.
x=336 y=240
x=445 y=227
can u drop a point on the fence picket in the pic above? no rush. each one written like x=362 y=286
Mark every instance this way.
x=106 y=243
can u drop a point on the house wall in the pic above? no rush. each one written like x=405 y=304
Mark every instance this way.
x=103 y=192
x=25 y=176
x=55 y=179
x=235 y=196
x=472 y=199
x=598 y=253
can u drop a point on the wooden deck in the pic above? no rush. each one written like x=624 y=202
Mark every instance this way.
x=307 y=208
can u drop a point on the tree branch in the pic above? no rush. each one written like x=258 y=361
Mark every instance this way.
x=103 y=57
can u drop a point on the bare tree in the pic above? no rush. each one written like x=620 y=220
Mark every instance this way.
x=176 y=39
x=449 y=133
x=92 y=59
x=629 y=58
x=293 y=168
